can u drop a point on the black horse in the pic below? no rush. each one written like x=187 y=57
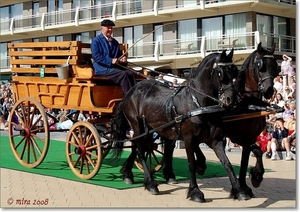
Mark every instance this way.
x=193 y=112
x=254 y=81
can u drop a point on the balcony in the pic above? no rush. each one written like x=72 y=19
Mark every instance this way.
x=186 y=53
x=126 y=13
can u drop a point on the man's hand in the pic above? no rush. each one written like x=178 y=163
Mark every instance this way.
x=114 y=61
x=123 y=59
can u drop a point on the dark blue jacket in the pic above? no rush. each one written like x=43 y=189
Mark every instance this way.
x=103 y=54
x=283 y=134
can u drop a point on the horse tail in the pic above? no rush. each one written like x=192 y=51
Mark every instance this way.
x=119 y=132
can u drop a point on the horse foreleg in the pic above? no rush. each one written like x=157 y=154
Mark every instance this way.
x=201 y=160
x=193 y=192
x=257 y=172
x=168 y=167
x=126 y=169
x=149 y=183
x=237 y=191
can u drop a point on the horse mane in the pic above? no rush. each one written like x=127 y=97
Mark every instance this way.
x=195 y=71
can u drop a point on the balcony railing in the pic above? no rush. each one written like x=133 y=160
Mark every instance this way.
x=96 y=12
x=173 y=49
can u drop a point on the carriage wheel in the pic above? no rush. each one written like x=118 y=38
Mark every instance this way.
x=154 y=157
x=29 y=139
x=83 y=149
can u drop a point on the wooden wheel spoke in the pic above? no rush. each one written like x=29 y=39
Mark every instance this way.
x=92 y=154
x=73 y=144
x=37 y=129
x=16 y=135
x=80 y=138
x=28 y=150
x=76 y=162
x=91 y=147
x=36 y=122
x=154 y=156
x=87 y=166
x=24 y=148
x=36 y=146
x=90 y=160
x=81 y=164
x=89 y=140
x=160 y=152
x=71 y=153
x=74 y=135
x=23 y=116
x=33 y=145
x=38 y=137
x=19 y=143
x=31 y=117
x=21 y=120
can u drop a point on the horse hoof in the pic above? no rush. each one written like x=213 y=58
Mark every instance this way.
x=198 y=199
x=254 y=182
x=128 y=181
x=172 y=181
x=243 y=196
x=154 y=191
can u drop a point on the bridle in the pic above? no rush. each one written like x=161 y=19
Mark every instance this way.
x=217 y=67
x=258 y=65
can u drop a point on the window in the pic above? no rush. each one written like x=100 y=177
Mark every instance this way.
x=55 y=15
x=189 y=3
x=187 y=35
x=4 y=14
x=235 y=28
x=17 y=12
x=273 y=29
x=36 y=20
x=85 y=37
x=4 y=61
x=158 y=36
x=131 y=35
x=212 y=30
x=105 y=9
x=132 y=7
x=55 y=38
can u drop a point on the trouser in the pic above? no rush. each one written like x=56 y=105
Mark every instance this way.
x=124 y=78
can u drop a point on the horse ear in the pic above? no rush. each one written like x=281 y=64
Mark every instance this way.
x=273 y=48
x=223 y=54
x=231 y=53
x=259 y=48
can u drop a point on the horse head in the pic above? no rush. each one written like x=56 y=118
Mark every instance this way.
x=259 y=69
x=216 y=74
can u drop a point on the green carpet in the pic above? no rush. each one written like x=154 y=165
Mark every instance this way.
x=55 y=165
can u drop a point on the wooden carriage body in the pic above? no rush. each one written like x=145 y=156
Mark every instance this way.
x=81 y=90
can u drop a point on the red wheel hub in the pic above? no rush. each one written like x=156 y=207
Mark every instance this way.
x=80 y=150
x=25 y=132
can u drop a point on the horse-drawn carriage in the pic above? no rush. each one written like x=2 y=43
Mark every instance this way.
x=189 y=110
x=58 y=75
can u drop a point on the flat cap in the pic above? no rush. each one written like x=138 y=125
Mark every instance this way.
x=107 y=22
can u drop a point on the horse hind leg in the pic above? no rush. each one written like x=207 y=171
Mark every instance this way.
x=150 y=184
x=168 y=172
x=126 y=169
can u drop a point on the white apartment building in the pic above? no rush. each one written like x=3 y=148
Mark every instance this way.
x=164 y=35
